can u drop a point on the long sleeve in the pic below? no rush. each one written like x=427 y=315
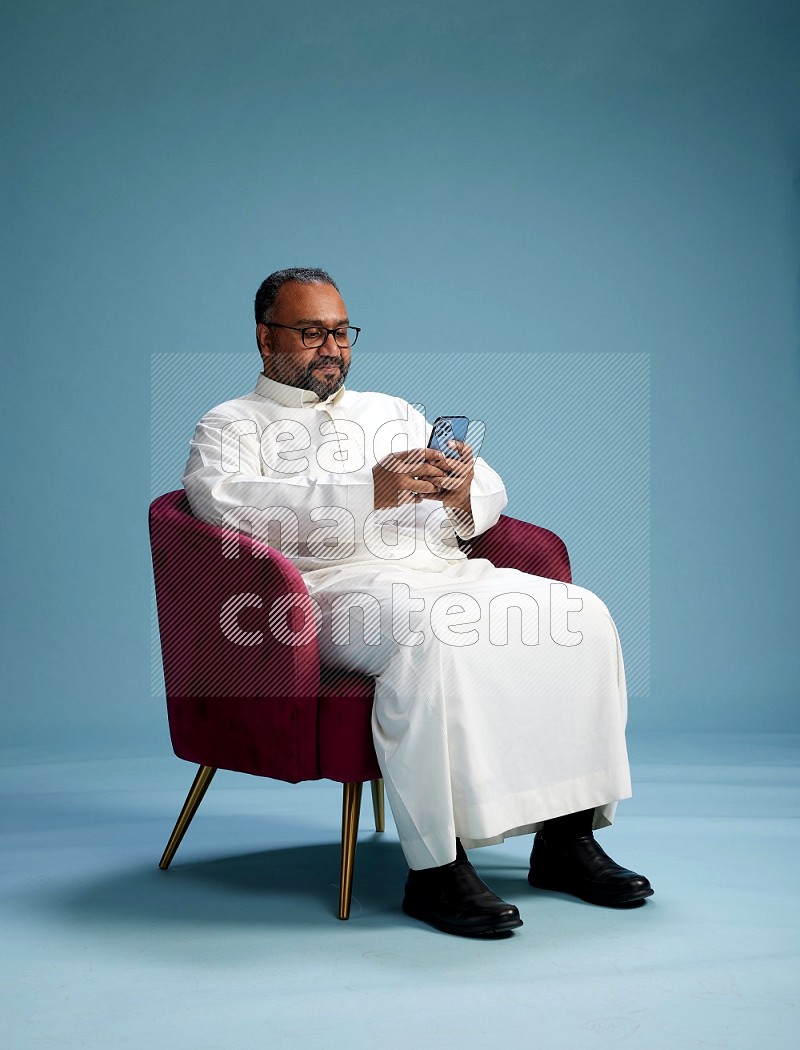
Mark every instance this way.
x=227 y=474
x=488 y=499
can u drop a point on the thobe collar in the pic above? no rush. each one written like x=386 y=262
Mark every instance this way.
x=293 y=396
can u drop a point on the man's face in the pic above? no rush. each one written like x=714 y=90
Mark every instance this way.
x=286 y=359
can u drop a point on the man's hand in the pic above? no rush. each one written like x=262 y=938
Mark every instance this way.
x=409 y=477
x=456 y=484
x=425 y=473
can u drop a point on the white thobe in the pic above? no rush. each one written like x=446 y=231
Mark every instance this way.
x=499 y=696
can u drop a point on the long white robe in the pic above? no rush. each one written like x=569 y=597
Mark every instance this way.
x=500 y=696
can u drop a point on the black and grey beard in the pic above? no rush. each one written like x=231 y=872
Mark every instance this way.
x=323 y=388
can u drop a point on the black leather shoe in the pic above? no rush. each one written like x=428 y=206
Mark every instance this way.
x=454 y=899
x=579 y=866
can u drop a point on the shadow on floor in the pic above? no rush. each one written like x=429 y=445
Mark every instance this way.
x=296 y=886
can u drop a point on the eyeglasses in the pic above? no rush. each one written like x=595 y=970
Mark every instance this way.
x=317 y=334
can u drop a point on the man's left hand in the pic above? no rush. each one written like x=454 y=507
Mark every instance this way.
x=456 y=484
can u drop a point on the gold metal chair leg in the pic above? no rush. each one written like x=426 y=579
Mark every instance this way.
x=377 y=805
x=351 y=808
x=193 y=800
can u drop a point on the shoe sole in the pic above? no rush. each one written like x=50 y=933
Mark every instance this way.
x=611 y=902
x=485 y=931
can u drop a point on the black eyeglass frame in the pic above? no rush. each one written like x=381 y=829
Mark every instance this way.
x=321 y=328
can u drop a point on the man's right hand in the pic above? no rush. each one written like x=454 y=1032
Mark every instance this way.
x=409 y=477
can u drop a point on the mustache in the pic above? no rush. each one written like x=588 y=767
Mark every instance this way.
x=324 y=361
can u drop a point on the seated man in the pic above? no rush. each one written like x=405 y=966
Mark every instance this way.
x=500 y=701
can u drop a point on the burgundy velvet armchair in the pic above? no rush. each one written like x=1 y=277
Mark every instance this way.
x=256 y=704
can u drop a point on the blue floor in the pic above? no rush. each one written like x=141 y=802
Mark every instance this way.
x=238 y=944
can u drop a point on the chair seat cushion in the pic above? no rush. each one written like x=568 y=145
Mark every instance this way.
x=344 y=727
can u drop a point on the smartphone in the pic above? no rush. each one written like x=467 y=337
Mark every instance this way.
x=448 y=428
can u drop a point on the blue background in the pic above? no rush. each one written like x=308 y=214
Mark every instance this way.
x=485 y=182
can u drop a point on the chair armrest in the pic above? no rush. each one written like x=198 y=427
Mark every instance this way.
x=196 y=583
x=515 y=544
x=245 y=701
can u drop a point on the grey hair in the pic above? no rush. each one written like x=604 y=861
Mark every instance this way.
x=269 y=288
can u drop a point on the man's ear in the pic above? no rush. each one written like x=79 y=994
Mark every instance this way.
x=264 y=339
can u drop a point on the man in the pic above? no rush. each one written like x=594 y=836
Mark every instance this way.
x=500 y=700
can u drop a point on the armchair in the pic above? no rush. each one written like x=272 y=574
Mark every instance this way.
x=261 y=706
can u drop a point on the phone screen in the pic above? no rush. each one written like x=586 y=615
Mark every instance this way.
x=448 y=428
